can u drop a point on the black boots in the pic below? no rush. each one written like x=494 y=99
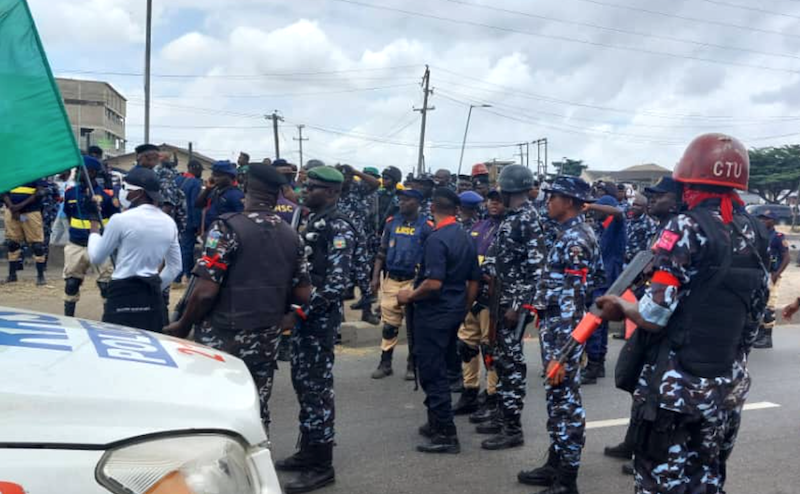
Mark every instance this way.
x=40 y=269
x=443 y=440
x=298 y=461
x=510 y=436
x=385 y=366
x=411 y=374
x=485 y=412
x=621 y=451
x=318 y=471
x=467 y=403
x=69 y=308
x=764 y=339
x=566 y=482
x=12 y=272
x=594 y=369
x=543 y=476
x=362 y=303
x=368 y=317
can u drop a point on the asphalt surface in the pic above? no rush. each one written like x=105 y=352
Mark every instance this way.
x=376 y=431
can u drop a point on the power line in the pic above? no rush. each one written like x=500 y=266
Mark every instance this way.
x=568 y=39
x=622 y=31
x=751 y=9
x=286 y=95
x=264 y=74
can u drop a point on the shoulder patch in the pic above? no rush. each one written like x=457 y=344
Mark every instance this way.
x=430 y=223
x=389 y=219
x=339 y=242
x=213 y=239
x=667 y=240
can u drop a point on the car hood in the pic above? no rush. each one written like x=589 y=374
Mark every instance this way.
x=81 y=382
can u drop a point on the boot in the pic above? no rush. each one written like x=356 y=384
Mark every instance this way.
x=69 y=308
x=566 y=482
x=40 y=269
x=590 y=373
x=444 y=441
x=12 y=272
x=368 y=317
x=510 y=436
x=385 y=366
x=410 y=374
x=426 y=430
x=764 y=339
x=362 y=303
x=318 y=474
x=350 y=293
x=543 y=476
x=621 y=451
x=467 y=403
x=495 y=423
x=299 y=461
x=627 y=469
x=284 y=349
x=484 y=413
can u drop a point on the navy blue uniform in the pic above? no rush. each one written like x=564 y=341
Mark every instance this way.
x=450 y=257
x=190 y=185
x=230 y=200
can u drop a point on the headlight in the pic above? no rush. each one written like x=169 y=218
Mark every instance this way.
x=189 y=464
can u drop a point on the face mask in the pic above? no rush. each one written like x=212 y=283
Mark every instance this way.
x=124 y=192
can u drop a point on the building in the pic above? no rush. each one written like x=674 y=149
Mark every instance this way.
x=495 y=167
x=96 y=113
x=125 y=162
x=639 y=175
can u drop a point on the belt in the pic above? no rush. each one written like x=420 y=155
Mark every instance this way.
x=400 y=276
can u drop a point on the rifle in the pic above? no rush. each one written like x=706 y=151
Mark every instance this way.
x=180 y=307
x=592 y=320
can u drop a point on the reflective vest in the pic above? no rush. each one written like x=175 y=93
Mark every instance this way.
x=23 y=192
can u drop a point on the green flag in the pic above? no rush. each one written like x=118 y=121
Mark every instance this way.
x=36 y=139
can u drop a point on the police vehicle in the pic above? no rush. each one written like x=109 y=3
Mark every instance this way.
x=88 y=407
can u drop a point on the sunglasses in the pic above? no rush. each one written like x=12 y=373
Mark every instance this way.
x=313 y=187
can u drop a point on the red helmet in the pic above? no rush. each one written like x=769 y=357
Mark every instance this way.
x=479 y=169
x=714 y=159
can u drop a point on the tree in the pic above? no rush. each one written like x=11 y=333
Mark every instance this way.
x=775 y=172
x=570 y=167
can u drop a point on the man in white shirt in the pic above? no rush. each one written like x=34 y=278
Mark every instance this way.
x=144 y=238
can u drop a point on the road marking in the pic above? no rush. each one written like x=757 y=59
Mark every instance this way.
x=599 y=424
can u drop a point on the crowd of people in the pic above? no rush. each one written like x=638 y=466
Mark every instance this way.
x=468 y=263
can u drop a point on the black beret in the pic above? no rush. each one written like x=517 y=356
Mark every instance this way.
x=447 y=194
x=266 y=174
x=143 y=148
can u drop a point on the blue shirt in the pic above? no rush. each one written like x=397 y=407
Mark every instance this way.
x=80 y=209
x=451 y=258
x=777 y=249
x=230 y=200
x=191 y=185
x=612 y=244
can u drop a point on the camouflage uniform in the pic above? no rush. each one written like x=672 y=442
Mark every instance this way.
x=313 y=339
x=425 y=209
x=357 y=204
x=704 y=413
x=171 y=193
x=640 y=232
x=562 y=295
x=515 y=259
x=50 y=205
x=256 y=348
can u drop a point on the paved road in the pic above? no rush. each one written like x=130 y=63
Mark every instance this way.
x=377 y=422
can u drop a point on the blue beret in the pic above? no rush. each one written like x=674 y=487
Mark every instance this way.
x=280 y=162
x=768 y=214
x=92 y=163
x=607 y=201
x=411 y=193
x=470 y=199
x=225 y=167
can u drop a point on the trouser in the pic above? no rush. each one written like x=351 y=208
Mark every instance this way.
x=566 y=417
x=769 y=322
x=312 y=375
x=475 y=332
x=432 y=340
x=60 y=233
x=392 y=313
x=362 y=265
x=258 y=349
x=135 y=302
x=687 y=458
x=76 y=264
x=27 y=229
x=187 y=240
x=512 y=371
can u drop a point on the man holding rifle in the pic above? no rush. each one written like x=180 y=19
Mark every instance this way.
x=707 y=295
x=566 y=283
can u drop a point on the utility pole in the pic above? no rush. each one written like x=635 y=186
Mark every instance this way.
x=541 y=167
x=300 y=141
x=149 y=22
x=426 y=81
x=275 y=119
x=521 y=154
x=527 y=155
x=191 y=153
x=466 y=129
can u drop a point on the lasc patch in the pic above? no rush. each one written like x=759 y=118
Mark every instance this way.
x=213 y=239
x=339 y=242
x=667 y=240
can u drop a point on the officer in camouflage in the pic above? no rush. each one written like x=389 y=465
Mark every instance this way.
x=172 y=197
x=330 y=244
x=706 y=297
x=640 y=228
x=514 y=261
x=388 y=199
x=241 y=297
x=561 y=297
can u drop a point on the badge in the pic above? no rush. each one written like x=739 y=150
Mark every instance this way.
x=391 y=243
x=667 y=240
x=339 y=242
x=213 y=239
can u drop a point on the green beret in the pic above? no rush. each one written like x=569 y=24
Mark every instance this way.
x=327 y=174
x=371 y=170
x=266 y=174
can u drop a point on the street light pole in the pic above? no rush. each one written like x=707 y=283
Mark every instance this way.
x=466 y=130
x=147 y=72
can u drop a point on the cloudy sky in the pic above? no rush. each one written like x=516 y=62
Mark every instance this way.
x=613 y=82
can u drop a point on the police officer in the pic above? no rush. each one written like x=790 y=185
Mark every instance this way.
x=80 y=208
x=706 y=295
x=23 y=223
x=469 y=211
x=442 y=178
x=398 y=257
x=190 y=183
x=330 y=245
x=241 y=297
x=480 y=179
x=561 y=299
x=446 y=286
x=172 y=196
x=778 y=260
x=514 y=262
x=425 y=184
x=473 y=335
x=640 y=228
x=220 y=195
x=388 y=198
x=464 y=183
